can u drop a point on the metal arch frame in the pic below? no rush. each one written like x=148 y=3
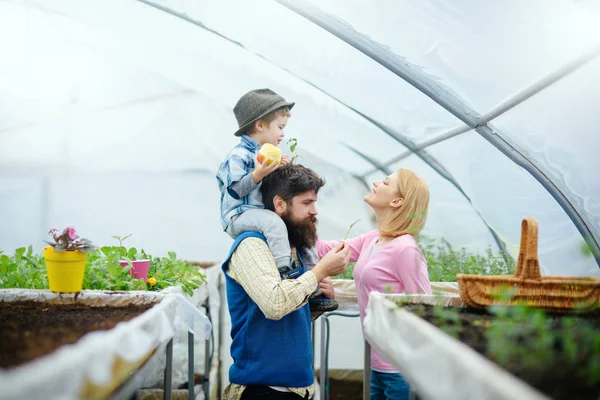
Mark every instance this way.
x=452 y=102
x=428 y=159
x=459 y=130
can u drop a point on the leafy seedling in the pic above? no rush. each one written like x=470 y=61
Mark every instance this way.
x=293 y=143
x=121 y=240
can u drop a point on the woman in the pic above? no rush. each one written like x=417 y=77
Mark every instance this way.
x=388 y=259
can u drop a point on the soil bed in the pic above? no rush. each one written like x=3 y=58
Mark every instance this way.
x=31 y=329
x=558 y=356
x=345 y=389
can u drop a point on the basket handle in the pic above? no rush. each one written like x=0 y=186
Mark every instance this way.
x=528 y=266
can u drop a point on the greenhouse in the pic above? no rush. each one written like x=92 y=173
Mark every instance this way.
x=116 y=115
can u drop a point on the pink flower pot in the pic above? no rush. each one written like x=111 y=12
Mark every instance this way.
x=139 y=268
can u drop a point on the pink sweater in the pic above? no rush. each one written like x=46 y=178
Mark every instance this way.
x=397 y=267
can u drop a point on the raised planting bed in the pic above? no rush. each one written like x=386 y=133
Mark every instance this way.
x=31 y=329
x=503 y=352
x=87 y=345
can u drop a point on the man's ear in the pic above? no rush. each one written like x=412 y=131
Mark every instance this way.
x=279 y=204
x=397 y=202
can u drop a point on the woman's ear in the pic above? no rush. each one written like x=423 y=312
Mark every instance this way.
x=397 y=202
x=279 y=204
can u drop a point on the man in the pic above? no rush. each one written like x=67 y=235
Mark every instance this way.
x=270 y=318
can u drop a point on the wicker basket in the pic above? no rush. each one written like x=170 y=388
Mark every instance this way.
x=527 y=286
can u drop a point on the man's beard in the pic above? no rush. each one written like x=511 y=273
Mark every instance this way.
x=302 y=234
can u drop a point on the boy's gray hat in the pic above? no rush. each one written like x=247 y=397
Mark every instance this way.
x=256 y=104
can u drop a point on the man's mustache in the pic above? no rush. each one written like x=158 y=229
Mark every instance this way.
x=312 y=219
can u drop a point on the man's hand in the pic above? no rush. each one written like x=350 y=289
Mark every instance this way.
x=286 y=160
x=262 y=170
x=326 y=286
x=333 y=263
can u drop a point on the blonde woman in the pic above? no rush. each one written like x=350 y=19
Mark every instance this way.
x=389 y=259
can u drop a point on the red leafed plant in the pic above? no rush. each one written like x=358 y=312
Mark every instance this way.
x=69 y=240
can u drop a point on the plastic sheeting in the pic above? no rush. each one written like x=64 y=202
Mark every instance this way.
x=135 y=121
x=437 y=365
x=64 y=372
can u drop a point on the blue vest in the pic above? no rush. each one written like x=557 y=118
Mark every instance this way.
x=267 y=352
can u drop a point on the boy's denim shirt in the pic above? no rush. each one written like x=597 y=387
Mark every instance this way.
x=238 y=190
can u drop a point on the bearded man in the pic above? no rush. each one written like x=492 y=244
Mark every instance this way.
x=270 y=317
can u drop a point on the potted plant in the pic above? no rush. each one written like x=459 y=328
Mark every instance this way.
x=138 y=262
x=65 y=260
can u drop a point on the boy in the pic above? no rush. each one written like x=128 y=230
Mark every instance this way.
x=262 y=115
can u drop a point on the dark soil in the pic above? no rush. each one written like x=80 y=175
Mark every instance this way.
x=345 y=389
x=551 y=370
x=30 y=329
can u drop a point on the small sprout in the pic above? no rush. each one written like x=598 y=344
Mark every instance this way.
x=293 y=143
x=349 y=229
x=121 y=240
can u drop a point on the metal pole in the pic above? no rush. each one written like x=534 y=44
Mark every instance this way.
x=323 y=360
x=314 y=339
x=367 y=372
x=207 y=357
x=205 y=380
x=191 y=380
x=168 y=371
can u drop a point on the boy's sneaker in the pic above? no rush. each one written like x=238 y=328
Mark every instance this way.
x=322 y=304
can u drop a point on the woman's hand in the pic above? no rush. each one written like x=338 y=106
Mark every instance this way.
x=262 y=170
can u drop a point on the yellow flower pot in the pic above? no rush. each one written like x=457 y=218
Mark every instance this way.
x=65 y=270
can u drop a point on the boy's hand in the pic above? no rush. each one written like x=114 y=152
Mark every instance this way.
x=262 y=170
x=326 y=286
x=286 y=160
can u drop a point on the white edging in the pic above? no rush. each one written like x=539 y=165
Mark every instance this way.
x=61 y=373
x=437 y=365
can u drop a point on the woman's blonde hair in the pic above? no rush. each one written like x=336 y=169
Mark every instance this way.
x=410 y=217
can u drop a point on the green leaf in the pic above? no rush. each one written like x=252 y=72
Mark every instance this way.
x=12 y=267
x=349 y=229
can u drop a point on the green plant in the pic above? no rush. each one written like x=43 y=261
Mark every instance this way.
x=444 y=261
x=448 y=320
x=348 y=272
x=103 y=271
x=558 y=354
x=69 y=240
x=23 y=269
x=529 y=341
x=170 y=271
x=27 y=270
x=293 y=143
x=122 y=248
